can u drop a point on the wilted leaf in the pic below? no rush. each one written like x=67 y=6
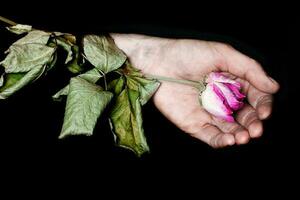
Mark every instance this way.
x=74 y=65
x=67 y=36
x=126 y=118
x=85 y=103
x=74 y=60
x=145 y=87
x=23 y=58
x=35 y=37
x=92 y=76
x=15 y=81
x=1 y=80
x=62 y=92
x=132 y=91
x=117 y=85
x=101 y=52
x=136 y=81
x=67 y=46
x=26 y=61
x=71 y=38
x=20 y=28
x=52 y=61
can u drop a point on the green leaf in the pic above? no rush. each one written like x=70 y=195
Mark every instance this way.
x=15 y=81
x=20 y=29
x=92 y=76
x=35 y=37
x=85 y=103
x=126 y=120
x=23 y=58
x=101 y=52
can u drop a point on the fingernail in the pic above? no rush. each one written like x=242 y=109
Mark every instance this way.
x=271 y=79
x=275 y=84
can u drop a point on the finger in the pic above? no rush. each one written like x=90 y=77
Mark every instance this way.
x=240 y=134
x=248 y=118
x=246 y=68
x=197 y=126
x=214 y=137
x=261 y=101
x=184 y=110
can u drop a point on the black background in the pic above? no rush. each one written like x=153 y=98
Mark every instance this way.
x=30 y=121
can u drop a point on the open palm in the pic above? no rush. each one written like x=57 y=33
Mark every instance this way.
x=193 y=59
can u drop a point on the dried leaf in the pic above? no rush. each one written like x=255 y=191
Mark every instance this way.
x=85 y=103
x=101 y=52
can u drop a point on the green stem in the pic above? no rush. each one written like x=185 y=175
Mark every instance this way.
x=8 y=21
x=199 y=85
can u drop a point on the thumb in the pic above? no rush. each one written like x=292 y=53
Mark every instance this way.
x=246 y=68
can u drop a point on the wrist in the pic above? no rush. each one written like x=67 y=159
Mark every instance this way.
x=141 y=50
x=131 y=44
x=128 y=43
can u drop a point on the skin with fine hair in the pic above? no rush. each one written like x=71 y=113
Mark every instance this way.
x=192 y=60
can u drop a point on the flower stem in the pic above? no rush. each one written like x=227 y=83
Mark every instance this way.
x=200 y=85
x=104 y=79
x=197 y=84
x=8 y=21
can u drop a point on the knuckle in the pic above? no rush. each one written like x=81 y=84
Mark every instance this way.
x=253 y=63
x=224 y=45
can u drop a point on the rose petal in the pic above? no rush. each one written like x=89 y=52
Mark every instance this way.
x=221 y=96
x=236 y=91
x=221 y=78
x=214 y=104
x=229 y=97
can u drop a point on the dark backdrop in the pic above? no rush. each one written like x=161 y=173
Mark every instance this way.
x=30 y=121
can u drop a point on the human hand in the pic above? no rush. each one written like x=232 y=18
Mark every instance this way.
x=192 y=60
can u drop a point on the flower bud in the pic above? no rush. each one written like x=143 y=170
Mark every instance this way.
x=222 y=96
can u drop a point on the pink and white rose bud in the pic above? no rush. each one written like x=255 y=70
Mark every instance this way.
x=222 y=96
